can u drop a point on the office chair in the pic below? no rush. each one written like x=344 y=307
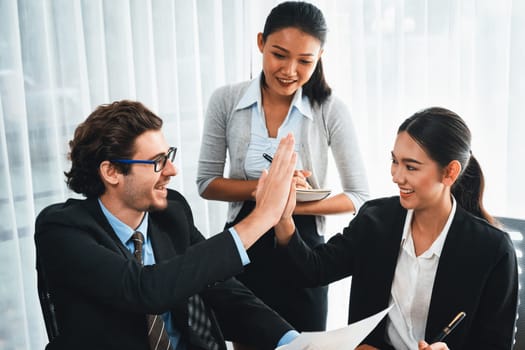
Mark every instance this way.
x=46 y=303
x=516 y=230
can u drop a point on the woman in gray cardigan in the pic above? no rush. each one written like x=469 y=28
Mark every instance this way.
x=246 y=120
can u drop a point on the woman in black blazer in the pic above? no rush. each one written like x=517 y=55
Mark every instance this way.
x=433 y=251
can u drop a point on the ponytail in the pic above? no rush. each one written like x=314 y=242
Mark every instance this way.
x=468 y=190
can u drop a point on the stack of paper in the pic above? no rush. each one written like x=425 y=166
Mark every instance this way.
x=346 y=338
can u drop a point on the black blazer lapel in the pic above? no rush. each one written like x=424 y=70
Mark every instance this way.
x=452 y=277
x=390 y=224
x=166 y=245
x=164 y=249
x=163 y=245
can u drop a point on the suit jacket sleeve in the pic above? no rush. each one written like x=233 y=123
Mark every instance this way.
x=241 y=315
x=477 y=273
x=81 y=254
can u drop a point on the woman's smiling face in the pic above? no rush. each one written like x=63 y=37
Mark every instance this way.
x=289 y=59
x=418 y=177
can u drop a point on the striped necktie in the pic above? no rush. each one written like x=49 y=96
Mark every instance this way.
x=157 y=335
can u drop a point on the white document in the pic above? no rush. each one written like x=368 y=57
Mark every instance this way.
x=346 y=338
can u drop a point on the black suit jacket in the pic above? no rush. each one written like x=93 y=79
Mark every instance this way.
x=477 y=273
x=101 y=294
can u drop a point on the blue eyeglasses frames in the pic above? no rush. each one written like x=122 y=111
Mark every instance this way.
x=159 y=162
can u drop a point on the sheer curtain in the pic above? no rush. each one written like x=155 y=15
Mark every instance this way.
x=385 y=58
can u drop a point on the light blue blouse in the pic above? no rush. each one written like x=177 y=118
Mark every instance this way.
x=328 y=127
x=260 y=142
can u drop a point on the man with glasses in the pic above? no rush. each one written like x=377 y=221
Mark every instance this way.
x=128 y=260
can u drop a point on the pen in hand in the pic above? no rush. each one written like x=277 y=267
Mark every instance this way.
x=446 y=331
x=267 y=157
x=303 y=174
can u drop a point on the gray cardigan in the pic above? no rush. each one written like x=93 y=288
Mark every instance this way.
x=227 y=129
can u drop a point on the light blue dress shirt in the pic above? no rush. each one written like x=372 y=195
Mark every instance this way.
x=124 y=233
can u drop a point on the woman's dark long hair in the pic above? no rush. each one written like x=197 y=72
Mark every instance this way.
x=109 y=132
x=445 y=137
x=309 y=19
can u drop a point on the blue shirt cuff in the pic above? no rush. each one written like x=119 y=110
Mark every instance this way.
x=288 y=337
x=240 y=247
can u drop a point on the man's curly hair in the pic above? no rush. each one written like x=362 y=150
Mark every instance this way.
x=109 y=132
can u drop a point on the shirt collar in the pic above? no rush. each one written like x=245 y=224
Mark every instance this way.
x=252 y=96
x=302 y=104
x=123 y=231
x=437 y=247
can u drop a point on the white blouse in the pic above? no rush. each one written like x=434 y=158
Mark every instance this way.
x=412 y=287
